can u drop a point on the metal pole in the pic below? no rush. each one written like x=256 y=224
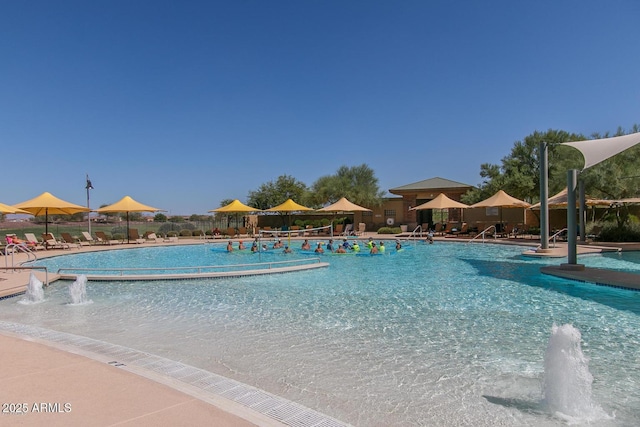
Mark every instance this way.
x=572 y=254
x=543 y=159
x=89 y=187
x=582 y=211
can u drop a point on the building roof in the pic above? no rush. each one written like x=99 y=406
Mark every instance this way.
x=430 y=184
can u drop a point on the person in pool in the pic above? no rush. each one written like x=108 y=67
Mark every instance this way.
x=370 y=243
x=381 y=248
x=345 y=244
x=319 y=249
x=305 y=245
x=398 y=245
x=241 y=245
x=355 y=247
x=229 y=246
x=254 y=247
x=330 y=245
x=277 y=244
x=287 y=249
x=341 y=250
x=374 y=249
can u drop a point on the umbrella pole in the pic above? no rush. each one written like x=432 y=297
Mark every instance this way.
x=128 y=227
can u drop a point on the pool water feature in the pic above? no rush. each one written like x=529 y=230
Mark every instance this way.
x=442 y=334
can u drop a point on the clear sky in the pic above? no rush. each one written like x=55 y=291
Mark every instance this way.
x=181 y=104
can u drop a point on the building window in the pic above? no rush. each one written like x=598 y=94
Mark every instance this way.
x=389 y=213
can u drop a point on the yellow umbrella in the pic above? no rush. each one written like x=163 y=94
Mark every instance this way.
x=559 y=201
x=440 y=202
x=46 y=204
x=288 y=206
x=127 y=204
x=6 y=209
x=343 y=205
x=501 y=200
x=235 y=207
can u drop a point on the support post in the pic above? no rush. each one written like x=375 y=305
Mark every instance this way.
x=582 y=212
x=543 y=160
x=572 y=254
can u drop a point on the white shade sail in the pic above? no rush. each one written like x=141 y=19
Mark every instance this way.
x=595 y=151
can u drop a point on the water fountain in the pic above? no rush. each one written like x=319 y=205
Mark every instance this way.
x=567 y=380
x=78 y=291
x=34 y=293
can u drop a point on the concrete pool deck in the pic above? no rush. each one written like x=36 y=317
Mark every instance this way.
x=71 y=388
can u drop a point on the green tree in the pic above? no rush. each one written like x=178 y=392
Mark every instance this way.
x=160 y=217
x=273 y=193
x=357 y=183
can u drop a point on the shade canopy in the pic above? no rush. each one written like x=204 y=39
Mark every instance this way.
x=6 y=209
x=288 y=206
x=559 y=201
x=234 y=207
x=441 y=201
x=344 y=205
x=501 y=200
x=127 y=204
x=631 y=201
x=46 y=204
x=595 y=151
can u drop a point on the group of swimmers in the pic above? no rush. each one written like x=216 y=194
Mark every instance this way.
x=345 y=247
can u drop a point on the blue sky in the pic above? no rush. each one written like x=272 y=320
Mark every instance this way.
x=181 y=104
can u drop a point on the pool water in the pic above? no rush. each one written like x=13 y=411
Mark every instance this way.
x=442 y=334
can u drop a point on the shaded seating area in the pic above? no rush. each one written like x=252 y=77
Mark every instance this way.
x=69 y=239
x=39 y=244
x=88 y=238
x=104 y=239
x=134 y=236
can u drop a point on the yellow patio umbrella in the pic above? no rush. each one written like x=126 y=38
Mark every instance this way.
x=441 y=202
x=236 y=207
x=127 y=204
x=501 y=200
x=344 y=205
x=559 y=201
x=6 y=209
x=46 y=204
x=288 y=206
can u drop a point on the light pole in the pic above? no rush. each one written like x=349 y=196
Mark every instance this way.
x=88 y=187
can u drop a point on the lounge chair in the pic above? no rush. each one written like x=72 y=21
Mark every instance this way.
x=231 y=232
x=361 y=229
x=151 y=237
x=134 y=236
x=50 y=242
x=88 y=238
x=68 y=238
x=438 y=229
x=104 y=239
x=337 y=229
x=30 y=237
x=348 y=230
x=462 y=231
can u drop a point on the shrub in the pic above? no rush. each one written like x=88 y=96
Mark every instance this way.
x=185 y=233
x=118 y=236
x=197 y=233
x=172 y=234
x=167 y=227
x=187 y=226
x=629 y=232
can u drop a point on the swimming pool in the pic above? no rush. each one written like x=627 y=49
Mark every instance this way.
x=442 y=334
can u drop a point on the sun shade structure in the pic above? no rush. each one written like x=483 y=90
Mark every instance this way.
x=6 y=209
x=235 y=207
x=288 y=206
x=559 y=201
x=501 y=200
x=595 y=151
x=344 y=205
x=127 y=204
x=46 y=204
x=441 y=201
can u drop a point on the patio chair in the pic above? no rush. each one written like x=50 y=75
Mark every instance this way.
x=362 y=227
x=30 y=237
x=104 y=239
x=50 y=242
x=151 y=237
x=69 y=239
x=348 y=230
x=88 y=238
x=337 y=229
x=134 y=236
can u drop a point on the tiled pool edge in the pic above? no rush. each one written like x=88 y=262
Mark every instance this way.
x=196 y=382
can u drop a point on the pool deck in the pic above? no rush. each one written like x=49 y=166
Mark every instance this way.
x=71 y=388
